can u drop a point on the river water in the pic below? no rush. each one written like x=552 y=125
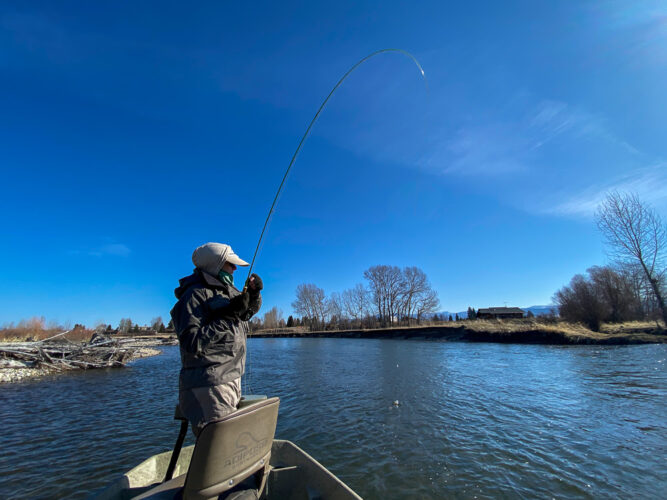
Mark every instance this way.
x=474 y=420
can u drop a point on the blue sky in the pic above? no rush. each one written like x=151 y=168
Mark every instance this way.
x=134 y=133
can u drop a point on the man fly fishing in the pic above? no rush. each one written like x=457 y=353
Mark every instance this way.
x=211 y=315
x=211 y=321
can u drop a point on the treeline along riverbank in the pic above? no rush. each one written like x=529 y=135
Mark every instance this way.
x=519 y=332
x=19 y=361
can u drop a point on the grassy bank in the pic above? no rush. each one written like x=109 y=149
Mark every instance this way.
x=508 y=331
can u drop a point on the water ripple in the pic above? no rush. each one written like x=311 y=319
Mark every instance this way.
x=473 y=421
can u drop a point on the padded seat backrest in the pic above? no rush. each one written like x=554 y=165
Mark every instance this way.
x=229 y=451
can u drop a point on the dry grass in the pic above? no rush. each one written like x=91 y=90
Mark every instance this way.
x=499 y=329
x=568 y=329
x=572 y=332
x=480 y=325
x=291 y=329
x=525 y=325
x=36 y=329
x=632 y=327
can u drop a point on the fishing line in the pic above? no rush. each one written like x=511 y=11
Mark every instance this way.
x=247 y=377
x=246 y=387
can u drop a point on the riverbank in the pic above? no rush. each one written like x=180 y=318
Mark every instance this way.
x=506 y=331
x=14 y=370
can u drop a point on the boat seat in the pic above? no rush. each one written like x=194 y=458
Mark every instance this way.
x=227 y=453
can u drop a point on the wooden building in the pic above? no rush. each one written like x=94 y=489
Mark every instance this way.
x=500 y=313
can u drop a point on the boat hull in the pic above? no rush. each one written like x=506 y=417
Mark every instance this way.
x=294 y=475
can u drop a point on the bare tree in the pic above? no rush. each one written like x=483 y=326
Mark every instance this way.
x=580 y=302
x=426 y=303
x=646 y=301
x=641 y=294
x=124 y=326
x=157 y=325
x=635 y=233
x=255 y=324
x=335 y=309
x=414 y=286
x=376 y=280
x=272 y=318
x=385 y=283
x=356 y=302
x=606 y=294
x=616 y=290
x=310 y=303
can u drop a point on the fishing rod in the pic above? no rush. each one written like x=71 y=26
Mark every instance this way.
x=310 y=126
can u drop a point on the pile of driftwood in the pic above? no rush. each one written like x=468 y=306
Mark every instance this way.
x=60 y=354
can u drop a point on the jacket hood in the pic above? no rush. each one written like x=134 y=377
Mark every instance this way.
x=185 y=283
x=198 y=277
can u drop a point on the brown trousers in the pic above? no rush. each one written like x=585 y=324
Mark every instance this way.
x=203 y=405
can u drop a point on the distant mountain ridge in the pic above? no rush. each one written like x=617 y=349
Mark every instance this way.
x=542 y=310
x=536 y=310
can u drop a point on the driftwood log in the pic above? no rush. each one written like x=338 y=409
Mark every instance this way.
x=61 y=354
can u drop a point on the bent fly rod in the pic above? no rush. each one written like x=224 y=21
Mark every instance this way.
x=305 y=135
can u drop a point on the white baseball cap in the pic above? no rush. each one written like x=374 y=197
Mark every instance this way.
x=212 y=256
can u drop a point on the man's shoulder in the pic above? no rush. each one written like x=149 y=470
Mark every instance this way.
x=201 y=286
x=198 y=291
x=189 y=286
x=203 y=291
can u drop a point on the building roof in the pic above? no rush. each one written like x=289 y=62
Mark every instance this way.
x=500 y=310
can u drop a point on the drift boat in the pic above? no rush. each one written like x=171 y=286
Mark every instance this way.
x=236 y=458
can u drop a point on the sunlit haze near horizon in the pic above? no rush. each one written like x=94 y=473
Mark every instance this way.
x=135 y=132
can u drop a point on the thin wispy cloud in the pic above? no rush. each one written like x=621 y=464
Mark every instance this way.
x=566 y=157
x=107 y=250
x=649 y=183
x=115 y=249
x=515 y=146
x=490 y=150
x=551 y=119
x=641 y=25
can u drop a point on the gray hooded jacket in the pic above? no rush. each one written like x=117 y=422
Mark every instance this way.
x=212 y=345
